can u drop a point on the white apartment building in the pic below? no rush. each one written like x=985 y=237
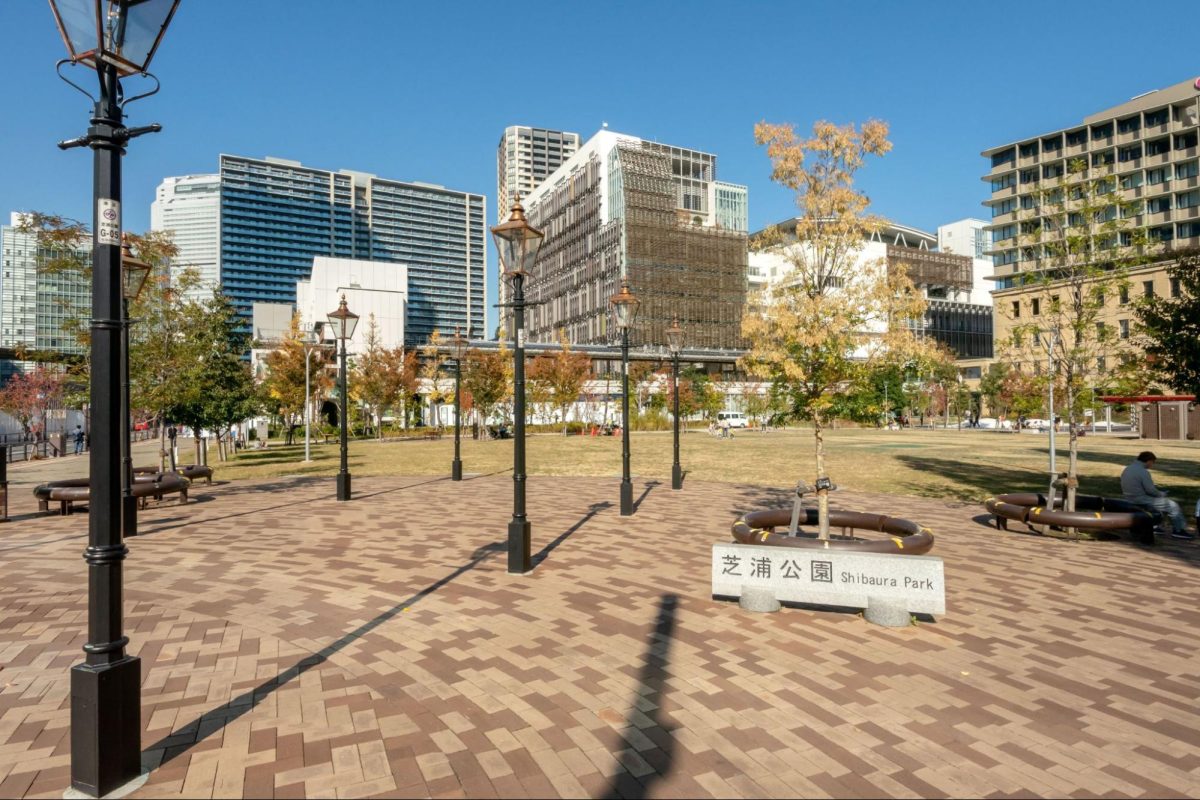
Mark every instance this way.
x=189 y=207
x=969 y=237
x=524 y=158
x=370 y=287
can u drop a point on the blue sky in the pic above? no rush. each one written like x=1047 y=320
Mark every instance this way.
x=422 y=91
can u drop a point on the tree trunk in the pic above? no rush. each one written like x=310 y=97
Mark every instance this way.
x=162 y=447
x=1073 y=451
x=822 y=494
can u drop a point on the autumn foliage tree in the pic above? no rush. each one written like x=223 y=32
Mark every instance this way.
x=563 y=374
x=29 y=396
x=283 y=382
x=815 y=333
x=487 y=377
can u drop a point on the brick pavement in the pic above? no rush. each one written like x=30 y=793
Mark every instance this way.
x=293 y=646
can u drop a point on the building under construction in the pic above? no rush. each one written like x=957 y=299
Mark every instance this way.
x=623 y=206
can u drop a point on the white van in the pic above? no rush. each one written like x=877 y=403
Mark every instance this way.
x=736 y=419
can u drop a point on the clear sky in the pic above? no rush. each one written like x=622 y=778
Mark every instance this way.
x=423 y=91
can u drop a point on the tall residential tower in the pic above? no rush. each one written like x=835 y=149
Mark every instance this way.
x=524 y=158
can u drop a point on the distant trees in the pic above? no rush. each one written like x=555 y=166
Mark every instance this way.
x=29 y=396
x=487 y=377
x=283 y=384
x=1169 y=327
x=561 y=375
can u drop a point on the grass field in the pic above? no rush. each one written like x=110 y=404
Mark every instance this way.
x=962 y=465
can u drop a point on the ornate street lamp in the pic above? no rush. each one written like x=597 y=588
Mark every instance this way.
x=115 y=38
x=675 y=345
x=458 y=347
x=517 y=243
x=343 y=321
x=133 y=277
x=625 y=303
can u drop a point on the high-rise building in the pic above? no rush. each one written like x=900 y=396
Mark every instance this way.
x=189 y=207
x=525 y=157
x=277 y=215
x=37 y=306
x=1146 y=150
x=731 y=206
x=965 y=237
x=623 y=206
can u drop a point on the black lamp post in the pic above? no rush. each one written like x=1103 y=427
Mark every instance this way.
x=134 y=272
x=117 y=38
x=343 y=321
x=675 y=345
x=458 y=346
x=625 y=304
x=517 y=243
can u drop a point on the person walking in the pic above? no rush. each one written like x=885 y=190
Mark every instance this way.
x=78 y=439
x=1138 y=488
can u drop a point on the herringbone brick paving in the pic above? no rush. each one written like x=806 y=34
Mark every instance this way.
x=293 y=646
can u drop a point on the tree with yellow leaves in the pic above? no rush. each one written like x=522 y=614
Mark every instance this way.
x=815 y=334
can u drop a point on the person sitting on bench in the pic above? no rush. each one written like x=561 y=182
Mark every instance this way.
x=1138 y=488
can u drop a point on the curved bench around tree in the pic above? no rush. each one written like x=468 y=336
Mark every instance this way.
x=1092 y=513
x=905 y=537
x=78 y=490
x=189 y=471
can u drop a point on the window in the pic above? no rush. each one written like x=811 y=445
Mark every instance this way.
x=1187 y=199
x=1016 y=309
x=1131 y=153
x=1124 y=325
x=1004 y=157
x=1004 y=182
x=1100 y=330
x=1028 y=201
x=1175 y=290
x=1189 y=230
x=1131 y=181
x=1157 y=176
x=1004 y=207
x=1128 y=125
x=1029 y=175
x=1158 y=146
x=1103 y=158
x=1187 y=169
x=1101 y=366
x=1156 y=205
x=1123 y=297
x=1052 y=171
x=1004 y=233
x=1028 y=150
x=1162 y=234
x=1185 y=140
x=1147 y=288
x=1156 y=118
x=1035 y=306
x=1102 y=131
x=1077 y=137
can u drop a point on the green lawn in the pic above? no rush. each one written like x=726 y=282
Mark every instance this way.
x=963 y=465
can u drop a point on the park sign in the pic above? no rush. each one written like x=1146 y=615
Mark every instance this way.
x=829 y=577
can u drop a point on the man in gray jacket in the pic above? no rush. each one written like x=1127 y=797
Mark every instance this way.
x=1138 y=487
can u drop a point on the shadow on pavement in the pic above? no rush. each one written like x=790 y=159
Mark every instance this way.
x=593 y=510
x=637 y=504
x=216 y=719
x=647 y=702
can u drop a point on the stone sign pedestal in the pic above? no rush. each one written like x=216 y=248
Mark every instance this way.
x=829 y=577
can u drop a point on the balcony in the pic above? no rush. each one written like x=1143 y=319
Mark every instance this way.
x=1157 y=217
x=1187 y=214
x=1129 y=137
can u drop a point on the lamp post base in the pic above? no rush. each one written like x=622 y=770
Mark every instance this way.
x=626 y=498
x=456 y=470
x=519 y=560
x=106 y=726
x=676 y=476
x=343 y=486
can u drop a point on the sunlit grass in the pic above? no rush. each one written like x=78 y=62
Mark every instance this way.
x=966 y=465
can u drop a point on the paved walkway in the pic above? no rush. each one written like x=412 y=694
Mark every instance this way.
x=293 y=646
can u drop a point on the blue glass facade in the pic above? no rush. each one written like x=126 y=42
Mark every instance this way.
x=276 y=216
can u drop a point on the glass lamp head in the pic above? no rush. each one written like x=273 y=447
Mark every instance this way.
x=675 y=337
x=134 y=272
x=517 y=243
x=343 y=321
x=123 y=33
x=625 y=303
x=458 y=345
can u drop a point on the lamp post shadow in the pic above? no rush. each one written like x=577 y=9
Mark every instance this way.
x=647 y=702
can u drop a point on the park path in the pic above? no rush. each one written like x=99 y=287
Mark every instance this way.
x=295 y=646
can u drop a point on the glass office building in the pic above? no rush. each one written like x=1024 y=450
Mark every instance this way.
x=277 y=215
